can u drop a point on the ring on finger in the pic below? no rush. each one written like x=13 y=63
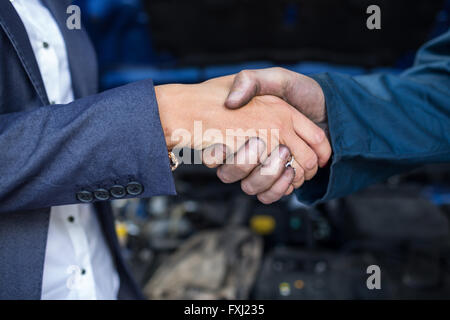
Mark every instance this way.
x=290 y=162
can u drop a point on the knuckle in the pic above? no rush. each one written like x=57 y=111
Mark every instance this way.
x=255 y=148
x=319 y=136
x=245 y=74
x=279 y=69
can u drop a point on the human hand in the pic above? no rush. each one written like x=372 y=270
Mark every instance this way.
x=181 y=105
x=301 y=92
x=254 y=181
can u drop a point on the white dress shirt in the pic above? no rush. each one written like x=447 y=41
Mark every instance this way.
x=78 y=262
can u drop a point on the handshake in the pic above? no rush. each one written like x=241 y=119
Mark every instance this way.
x=266 y=128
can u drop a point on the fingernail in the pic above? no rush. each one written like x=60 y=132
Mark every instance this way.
x=258 y=144
x=323 y=164
x=234 y=95
x=320 y=137
x=289 y=171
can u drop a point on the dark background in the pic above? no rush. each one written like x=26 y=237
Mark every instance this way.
x=212 y=241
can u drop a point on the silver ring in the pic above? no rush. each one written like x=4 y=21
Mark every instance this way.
x=289 y=164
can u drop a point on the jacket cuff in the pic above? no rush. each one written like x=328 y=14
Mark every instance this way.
x=139 y=165
x=157 y=152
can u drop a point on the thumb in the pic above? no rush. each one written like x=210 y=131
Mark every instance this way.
x=245 y=87
x=250 y=83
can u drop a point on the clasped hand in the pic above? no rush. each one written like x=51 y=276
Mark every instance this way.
x=249 y=125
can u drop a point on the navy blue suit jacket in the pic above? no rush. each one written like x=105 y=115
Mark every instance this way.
x=48 y=153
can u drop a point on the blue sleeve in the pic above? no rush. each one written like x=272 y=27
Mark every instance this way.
x=50 y=153
x=383 y=124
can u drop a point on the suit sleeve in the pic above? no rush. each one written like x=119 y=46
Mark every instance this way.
x=49 y=154
x=383 y=124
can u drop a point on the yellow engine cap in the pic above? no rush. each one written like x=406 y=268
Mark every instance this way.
x=262 y=224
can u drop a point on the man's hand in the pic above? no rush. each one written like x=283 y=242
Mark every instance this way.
x=267 y=187
x=301 y=92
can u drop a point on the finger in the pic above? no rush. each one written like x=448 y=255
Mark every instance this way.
x=241 y=164
x=299 y=177
x=314 y=136
x=279 y=188
x=265 y=175
x=214 y=155
x=304 y=156
x=250 y=83
x=284 y=84
x=289 y=190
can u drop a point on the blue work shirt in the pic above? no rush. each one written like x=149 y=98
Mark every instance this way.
x=384 y=124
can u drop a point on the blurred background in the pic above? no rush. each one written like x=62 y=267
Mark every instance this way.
x=214 y=242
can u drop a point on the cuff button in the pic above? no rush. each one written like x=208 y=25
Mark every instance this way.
x=85 y=196
x=101 y=194
x=117 y=191
x=134 y=188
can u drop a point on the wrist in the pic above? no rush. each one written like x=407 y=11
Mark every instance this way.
x=169 y=97
x=317 y=98
x=309 y=97
x=319 y=116
x=180 y=105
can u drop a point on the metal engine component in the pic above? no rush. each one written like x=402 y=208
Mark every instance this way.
x=219 y=264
